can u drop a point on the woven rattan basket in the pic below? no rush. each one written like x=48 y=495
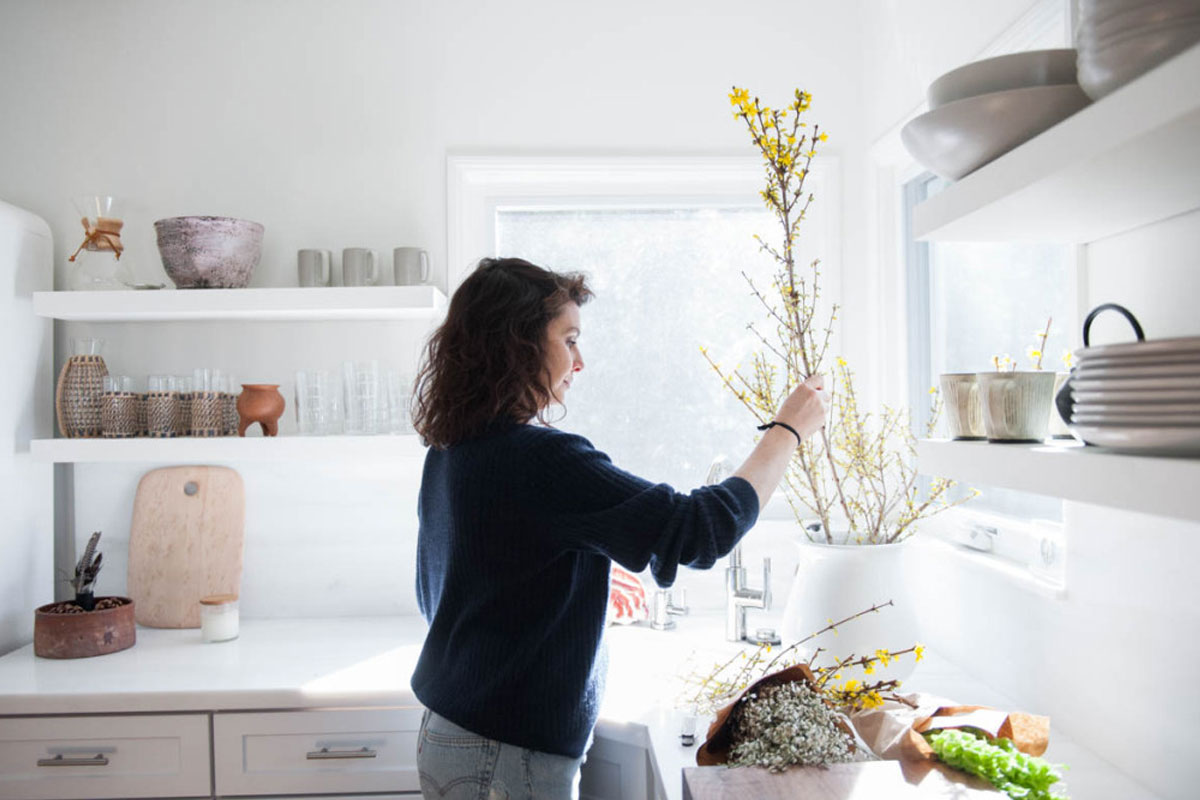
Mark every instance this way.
x=183 y=422
x=119 y=415
x=208 y=414
x=162 y=414
x=77 y=397
x=231 y=414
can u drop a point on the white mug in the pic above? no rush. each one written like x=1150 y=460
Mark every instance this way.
x=313 y=267
x=358 y=267
x=411 y=265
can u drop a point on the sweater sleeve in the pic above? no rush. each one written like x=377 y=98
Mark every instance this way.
x=585 y=502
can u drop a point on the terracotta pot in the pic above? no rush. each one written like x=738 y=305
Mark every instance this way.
x=261 y=403
x=90 y=633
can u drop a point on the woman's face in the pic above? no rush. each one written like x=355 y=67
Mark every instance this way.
x=563 y=359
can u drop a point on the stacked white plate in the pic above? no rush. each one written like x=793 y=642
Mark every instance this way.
x=1139 y=397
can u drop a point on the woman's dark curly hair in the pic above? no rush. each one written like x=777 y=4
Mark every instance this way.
x=486 y=362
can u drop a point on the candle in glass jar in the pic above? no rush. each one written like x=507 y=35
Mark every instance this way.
x=219 y=617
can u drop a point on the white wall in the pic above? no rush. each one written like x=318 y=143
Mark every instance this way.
x=330 y=123
x=1112 y=662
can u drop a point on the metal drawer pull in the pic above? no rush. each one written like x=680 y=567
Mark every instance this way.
x=325 y=752
x=58 y=761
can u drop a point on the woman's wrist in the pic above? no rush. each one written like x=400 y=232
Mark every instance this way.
x=778 y=424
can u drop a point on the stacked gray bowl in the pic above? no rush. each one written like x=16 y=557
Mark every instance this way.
x=1118 y=40
x=982 y=110
x=1140 y=397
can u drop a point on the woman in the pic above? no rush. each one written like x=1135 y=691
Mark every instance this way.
x=519 y=524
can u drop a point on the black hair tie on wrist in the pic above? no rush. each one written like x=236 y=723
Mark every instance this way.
x=773 y=423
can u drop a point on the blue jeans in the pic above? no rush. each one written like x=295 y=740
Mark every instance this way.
x=455 y=764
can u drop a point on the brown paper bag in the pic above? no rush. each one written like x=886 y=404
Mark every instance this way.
x=893 y=731
x=1029 y=733
x=716 y=747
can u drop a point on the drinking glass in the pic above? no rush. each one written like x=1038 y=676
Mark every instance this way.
x=118 y=383
x=186 y=388
x=398 y=398
x=316 y=402
x=86 y=347
x=362 y=390
x=162 y=406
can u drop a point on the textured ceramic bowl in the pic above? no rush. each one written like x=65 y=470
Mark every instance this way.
x=1118 y=40
x=1012 y=71
x=960 y=137
x=209 y=252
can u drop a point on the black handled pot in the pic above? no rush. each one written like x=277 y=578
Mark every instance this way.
x=1064 y=401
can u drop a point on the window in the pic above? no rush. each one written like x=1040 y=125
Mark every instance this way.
x=970 y=302
x=665 y=258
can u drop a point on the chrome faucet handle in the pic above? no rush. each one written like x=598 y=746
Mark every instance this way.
x=664 y=607
x=766 y=584
x=719 y=470
x=682 y=609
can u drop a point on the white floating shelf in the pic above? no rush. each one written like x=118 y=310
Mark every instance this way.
x=1154 y=485
x=190 y=449
x=1130 y=159
x=175 y=305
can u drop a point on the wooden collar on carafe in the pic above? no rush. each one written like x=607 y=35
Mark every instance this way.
x=105 y=236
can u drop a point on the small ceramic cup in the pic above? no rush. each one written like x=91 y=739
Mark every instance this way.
x=1016 y=405
x=411 y=265
x=964 y=412
x=314 y=267
x=358 y=267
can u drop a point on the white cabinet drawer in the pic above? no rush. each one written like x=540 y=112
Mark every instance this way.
x=314 y=752
x=62 y=758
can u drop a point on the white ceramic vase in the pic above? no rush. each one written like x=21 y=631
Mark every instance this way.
x=833 y=582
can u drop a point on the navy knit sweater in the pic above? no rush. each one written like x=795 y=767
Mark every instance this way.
x=518 y=529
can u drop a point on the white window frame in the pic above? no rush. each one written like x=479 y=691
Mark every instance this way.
x=997 y=538
x=478 y=186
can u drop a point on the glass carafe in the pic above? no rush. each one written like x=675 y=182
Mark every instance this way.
x=97 y=261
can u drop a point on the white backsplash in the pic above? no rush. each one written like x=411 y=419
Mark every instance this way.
x=321 y=540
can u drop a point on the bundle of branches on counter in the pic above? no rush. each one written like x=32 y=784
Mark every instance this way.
x=776 y=709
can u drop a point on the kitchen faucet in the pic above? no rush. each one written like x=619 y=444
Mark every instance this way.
x=738 y=595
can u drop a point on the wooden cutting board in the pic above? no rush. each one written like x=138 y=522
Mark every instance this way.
x=870 y=780
x=185 y=542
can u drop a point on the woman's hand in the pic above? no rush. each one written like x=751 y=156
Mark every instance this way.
x=806 y=407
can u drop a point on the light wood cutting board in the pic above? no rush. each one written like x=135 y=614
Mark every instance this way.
x=871 y=780
x=185 y=542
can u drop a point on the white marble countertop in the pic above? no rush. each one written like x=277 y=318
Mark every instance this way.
x=331 y=663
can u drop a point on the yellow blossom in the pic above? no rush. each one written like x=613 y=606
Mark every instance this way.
x=872 y=700
x=824 y=137
x=920 y=651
